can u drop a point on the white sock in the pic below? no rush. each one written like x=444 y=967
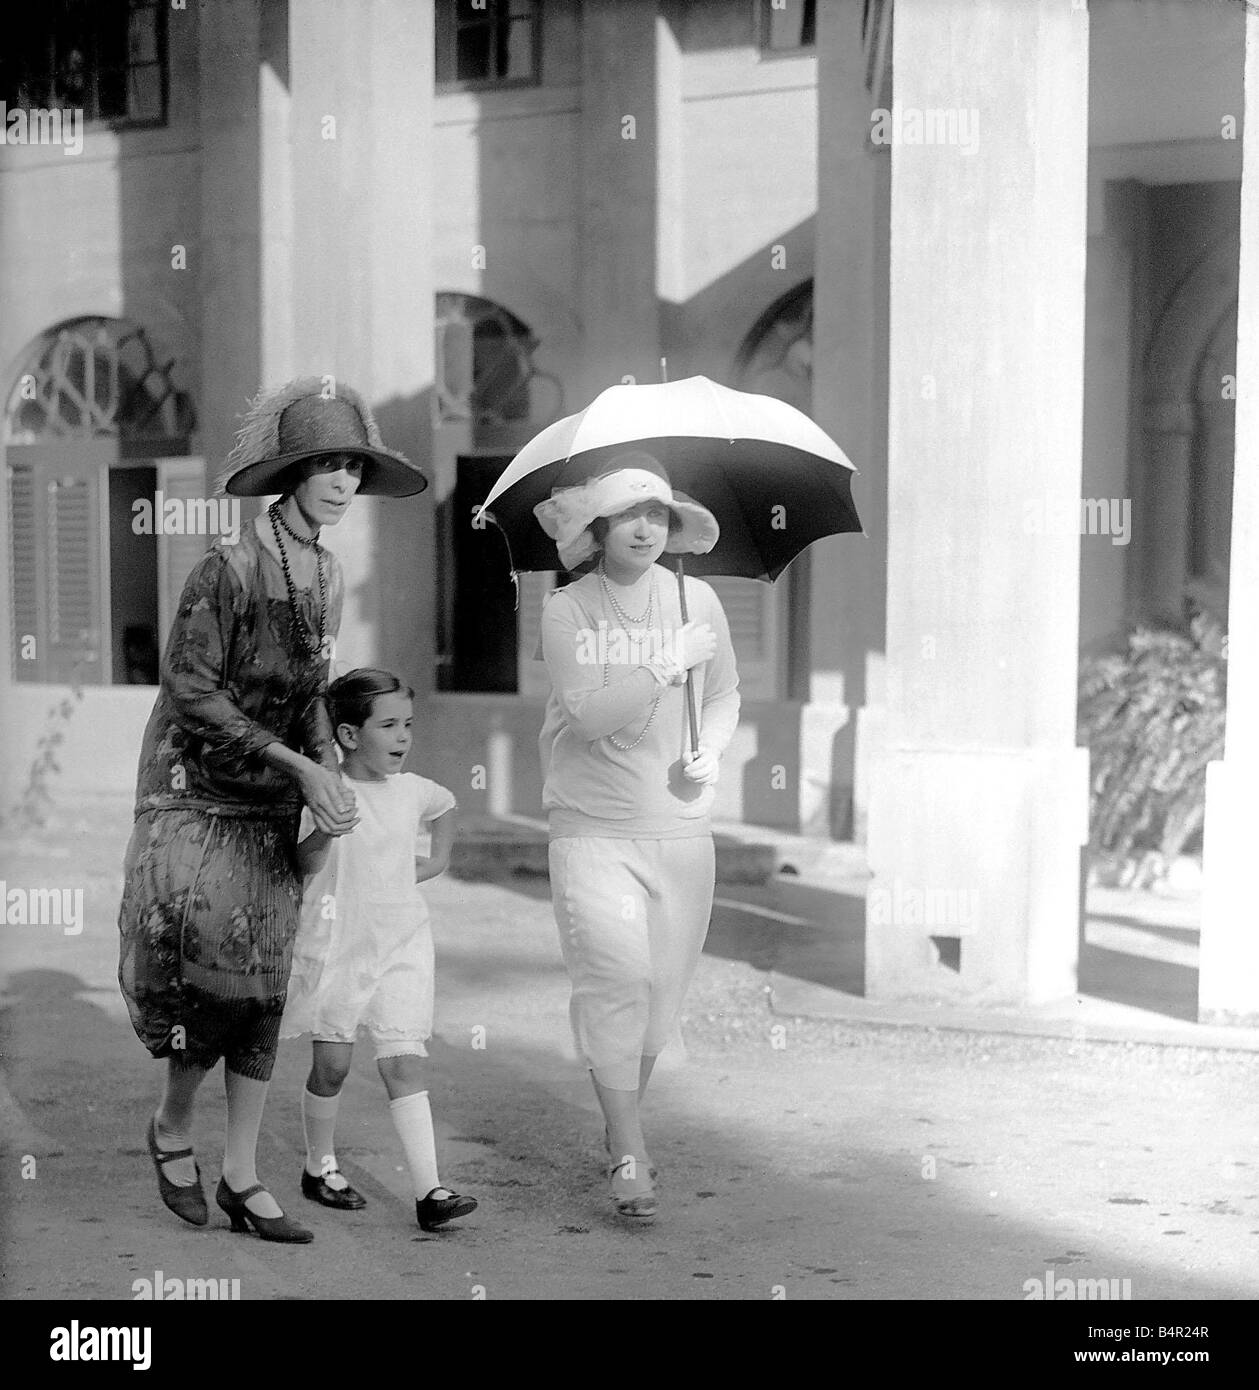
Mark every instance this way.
x=319 y=1121
x=413 y=1119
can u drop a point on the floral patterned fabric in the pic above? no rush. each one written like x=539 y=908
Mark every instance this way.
x=211 y=891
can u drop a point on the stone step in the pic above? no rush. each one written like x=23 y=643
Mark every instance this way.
x=493 y=847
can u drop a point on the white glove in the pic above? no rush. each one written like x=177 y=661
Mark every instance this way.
x=694 y=643
x=701 y=767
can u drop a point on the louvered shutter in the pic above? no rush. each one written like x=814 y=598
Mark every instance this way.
x=531 y=675
x=26 y=574
x=184 y=479
x=68 y=506
x=78 y=583
x=752 y=611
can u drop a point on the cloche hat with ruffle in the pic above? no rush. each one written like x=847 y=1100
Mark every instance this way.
x=566 y=515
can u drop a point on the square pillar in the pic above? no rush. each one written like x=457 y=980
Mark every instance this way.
x=847 y=575
x=631 y=191
x=359 y=148
x=979 y=802
x=1228 y=981
x=235 y=131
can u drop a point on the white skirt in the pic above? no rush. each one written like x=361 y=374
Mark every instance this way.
x=369 y=967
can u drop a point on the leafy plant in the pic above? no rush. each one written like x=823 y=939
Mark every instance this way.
x=32 y=807
x=1153 y=718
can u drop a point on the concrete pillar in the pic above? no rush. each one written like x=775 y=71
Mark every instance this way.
x=233 y=137
x=631 y=189
x=360 y=76
x=980 y=796
x=1228 y=982
x=847 y=583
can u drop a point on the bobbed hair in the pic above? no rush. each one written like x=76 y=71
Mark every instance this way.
x=599 y=525
x=350 y=697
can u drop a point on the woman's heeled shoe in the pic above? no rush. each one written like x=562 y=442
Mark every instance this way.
x=186 y=1201
x=639 y=1206
x=653 y=1172
x=281 y=1228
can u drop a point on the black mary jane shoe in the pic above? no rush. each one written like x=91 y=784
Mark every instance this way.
x=432 y=1212
x=187 y=1201
x=342 y=1198
x=282 y=1228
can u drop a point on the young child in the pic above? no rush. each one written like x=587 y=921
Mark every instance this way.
x=364 y=951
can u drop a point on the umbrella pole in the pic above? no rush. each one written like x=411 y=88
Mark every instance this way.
x=690 y=688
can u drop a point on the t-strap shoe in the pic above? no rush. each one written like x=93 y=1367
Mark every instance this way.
x=281 y=1228
x=187 y=1201
x=343 y=1198
x=432 y=1212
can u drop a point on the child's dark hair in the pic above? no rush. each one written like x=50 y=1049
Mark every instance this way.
x=350 y=697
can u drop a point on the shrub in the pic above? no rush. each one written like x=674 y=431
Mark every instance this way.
x=1153 y=717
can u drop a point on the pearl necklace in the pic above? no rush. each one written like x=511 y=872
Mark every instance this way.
x=300 y=630
x=625 y=620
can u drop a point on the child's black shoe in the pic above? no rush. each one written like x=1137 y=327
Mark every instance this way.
x=432 y=1212
x=343 y=1198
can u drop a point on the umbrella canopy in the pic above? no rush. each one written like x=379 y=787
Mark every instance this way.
x=774 y=480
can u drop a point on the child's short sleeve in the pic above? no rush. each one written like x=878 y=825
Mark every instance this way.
x=307 y=826
x=435 y=800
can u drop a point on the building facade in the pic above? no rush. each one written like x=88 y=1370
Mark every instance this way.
x=481 y=214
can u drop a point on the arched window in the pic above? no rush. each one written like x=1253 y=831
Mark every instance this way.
x=95 y=377
x=775 y=359
x=96 y=438
x=486 y=374
x=777 y=356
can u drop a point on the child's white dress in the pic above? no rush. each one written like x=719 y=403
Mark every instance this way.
x=363 y=956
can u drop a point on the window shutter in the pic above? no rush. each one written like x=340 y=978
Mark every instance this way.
x=182 y=478
x=58 y=525
x=531 y=675
x=78 y=584
x=26 y=572
x=752 y=613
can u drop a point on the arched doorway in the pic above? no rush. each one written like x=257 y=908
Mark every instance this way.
x=1183 y=482
x=94 y=425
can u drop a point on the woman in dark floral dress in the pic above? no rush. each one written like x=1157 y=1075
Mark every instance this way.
x=238 y=740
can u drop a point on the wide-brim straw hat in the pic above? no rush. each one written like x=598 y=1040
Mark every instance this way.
x=566 y=515
x=305 y=419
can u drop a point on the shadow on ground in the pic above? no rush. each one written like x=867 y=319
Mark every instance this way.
x=819 y=1208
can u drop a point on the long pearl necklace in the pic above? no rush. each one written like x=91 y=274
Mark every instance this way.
x=620 y=612
x=303 y=634
x=625 y=621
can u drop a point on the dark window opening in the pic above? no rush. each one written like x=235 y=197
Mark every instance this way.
x=491 y=44
x=106 y=58
x=788 y=24
x=477 y=636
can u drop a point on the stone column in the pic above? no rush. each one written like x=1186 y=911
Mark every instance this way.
x=631 y=171
x=234 y=133
x=1228 y=982
x=362 y=294
x=980 y=796
x=847 y=582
